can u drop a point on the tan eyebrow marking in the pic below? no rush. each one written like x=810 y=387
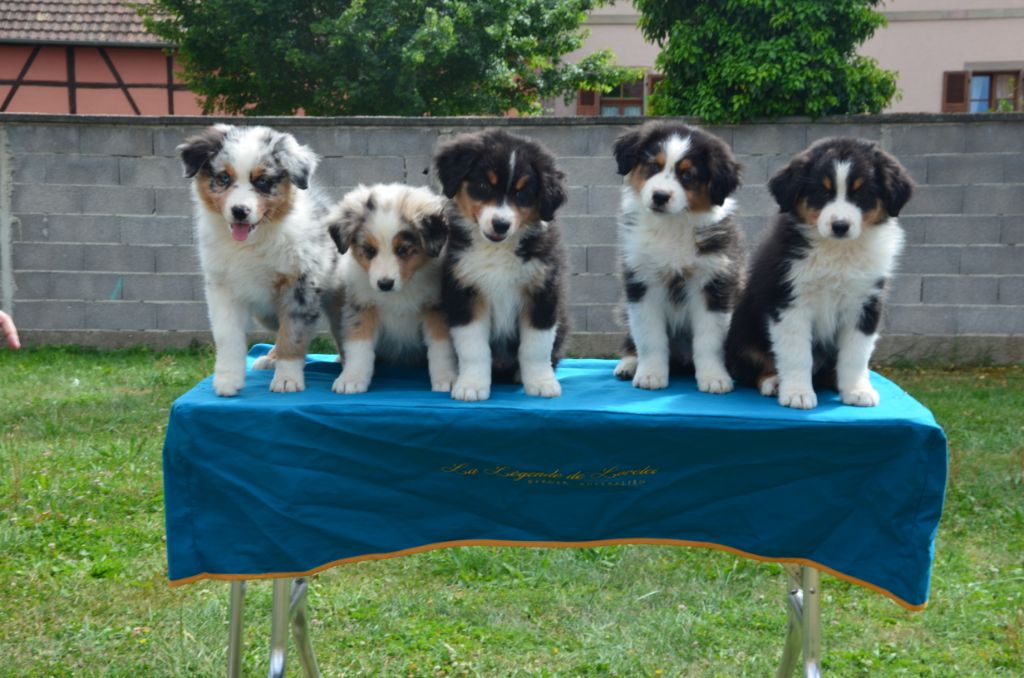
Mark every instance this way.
x=492 y=177
x=522 y=182
x=660 y=159
x=685 y=164
x=827 y=183
x=858 y=183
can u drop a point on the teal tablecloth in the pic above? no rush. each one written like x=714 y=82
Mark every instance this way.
x=268 y=484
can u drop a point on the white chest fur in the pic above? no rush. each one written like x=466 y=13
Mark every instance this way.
x=503 y=278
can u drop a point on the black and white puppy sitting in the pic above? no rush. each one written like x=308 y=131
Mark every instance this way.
x=503 y=289
x=262 y=248
x=392 y=237
x=682 y=254
x=810 y=313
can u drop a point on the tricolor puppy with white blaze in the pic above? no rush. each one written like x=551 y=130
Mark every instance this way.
x=503 y=287
x=682 y=254
x=263 y=250
x=811 y=310
x=392 y=237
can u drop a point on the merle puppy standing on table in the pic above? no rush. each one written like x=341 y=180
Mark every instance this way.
x=262 y=249
x=810 y=313
x=682 y=254
x=503 y=284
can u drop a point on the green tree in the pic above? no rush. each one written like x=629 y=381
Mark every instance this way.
x=735 y=60
x=381 y=57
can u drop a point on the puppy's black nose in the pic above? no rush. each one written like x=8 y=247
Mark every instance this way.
x=500 y=226
x=840 y=228
x=240 y=212
x=385 y=284
x=660 y=198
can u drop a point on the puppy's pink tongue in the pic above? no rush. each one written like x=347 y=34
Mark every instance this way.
x=240 y=231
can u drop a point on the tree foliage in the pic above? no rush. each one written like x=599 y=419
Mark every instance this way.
x=381 y=57
x=735 y=60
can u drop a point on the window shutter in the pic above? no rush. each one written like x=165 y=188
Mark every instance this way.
x=587 y=103
x=956 y=86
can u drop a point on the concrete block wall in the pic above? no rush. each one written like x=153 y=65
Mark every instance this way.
x=96 y=243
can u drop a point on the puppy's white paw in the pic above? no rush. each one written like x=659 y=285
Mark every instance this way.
x=864 y=395
x=471 y=390
x=442 y=383
x=264 y=362
x=714 y=382
x=287 y=383
x=798 y=398
x=650 y=379
x=769 y=386
x=228 y=384
x=545 y=387
x=626 y=367
x=351 y=383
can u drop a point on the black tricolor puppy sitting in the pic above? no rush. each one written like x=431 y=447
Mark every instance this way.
x=682 y=254
x=503 y=285
x=811 y=310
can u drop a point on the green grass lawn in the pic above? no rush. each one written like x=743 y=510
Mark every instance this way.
x=84 y=589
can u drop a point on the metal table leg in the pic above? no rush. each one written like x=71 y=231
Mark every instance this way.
x=803 y=606
x=279 y=629
x=235 y=643
x=300 y=629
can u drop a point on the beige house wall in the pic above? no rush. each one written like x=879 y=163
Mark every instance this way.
x=924 y=38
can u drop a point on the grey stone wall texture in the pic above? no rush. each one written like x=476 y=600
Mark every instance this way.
x=96 y=243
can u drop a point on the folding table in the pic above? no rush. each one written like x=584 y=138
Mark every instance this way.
x=279 y=486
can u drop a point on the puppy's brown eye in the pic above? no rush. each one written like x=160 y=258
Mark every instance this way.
x=262 y=184
x=369 y=251
x=222 y=179
x=402 y=251
x=686 y=175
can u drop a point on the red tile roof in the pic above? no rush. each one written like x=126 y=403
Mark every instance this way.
x=73 y=21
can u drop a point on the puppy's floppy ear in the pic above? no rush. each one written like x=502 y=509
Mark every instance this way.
x=788 y=183
x=627 y=149
x=454 y=159
x=894 y=181
x=345 y=220
x=199 y=149
x=724 y=172
x=297 y=160
x=433 y=230
x=553 y=192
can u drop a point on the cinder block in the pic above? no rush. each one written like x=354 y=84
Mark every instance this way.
x=594 y=289
x=159 y=287
x=176 y=259
x=559 y=140
x=46 y=199
x=928 y=199
x=417 y=171
x=577 y=318
x=351 y=171
x=1013 y=167
x=156 y=230
x=930 y=259
x=42 y=138
x=992 y=199
x=870 y=131
x=769 y=138
x=917 y=167
x=82 y=169
x=590 y=171
x=915 y=227
x=756 y=201
x=400 y=141
x=117 y=140
x=604 y=318
x=576 y=204
x=603 y=259
x=905 y=289
x=333 y=142
x=600 y=138
x=992 y=260
x=28 y=169
x=119 y=315
x=182 y=316
x=994 y=137
x=167 y=139
x=34 y=285
x=151 y=171
x=118 y=200
x=604 y=200
x=927 y=138
x=170 y=202
x=961 y=289
x=47 y=257
x=920 y=319
x=954 y=229
x=1011 y=290
x=585 y=230
x=755 y=169
x=965 y=168
x=577 y=259
x=71 y=228
x=990 y=320
x=50 y=315
x=723 y=132
x=119 y=258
